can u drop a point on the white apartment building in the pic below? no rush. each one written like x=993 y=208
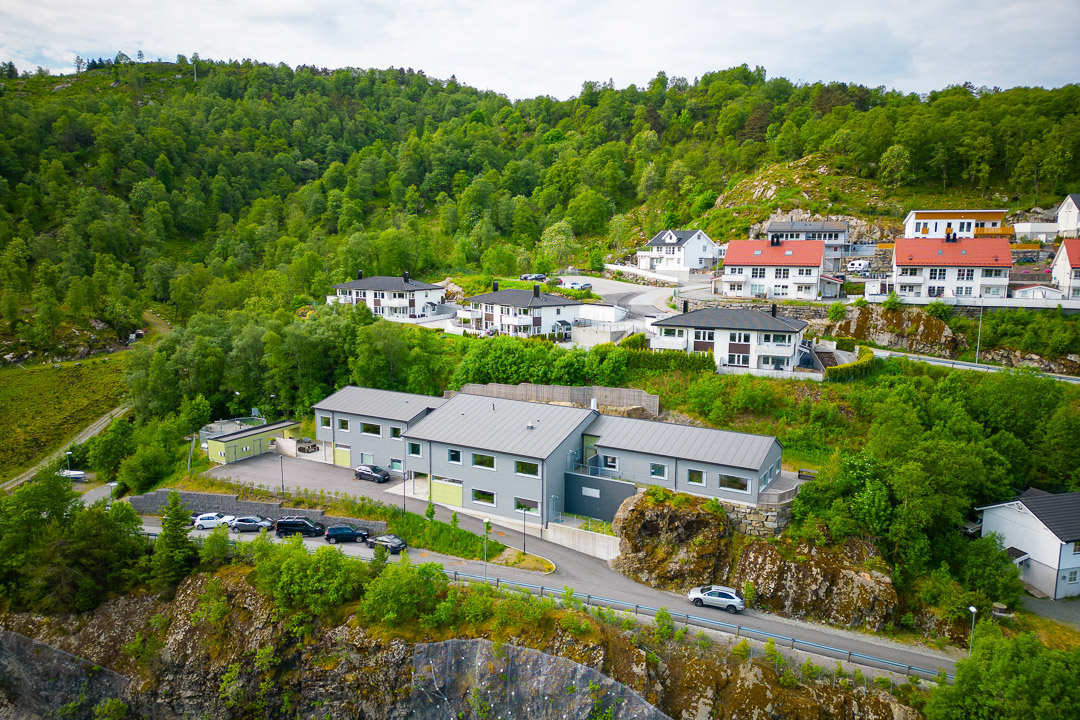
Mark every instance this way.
x=520 y=312
x=776 y=269
x=834 y=233
x=955 y=267
x=1068 y=216
x=962 y=223
x=673 y=250
x=1065 y=271
x=390 y=297
x=737 y=338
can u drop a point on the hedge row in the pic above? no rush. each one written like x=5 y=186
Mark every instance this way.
x=669 y=360
x=846 y=344
x=850 y=371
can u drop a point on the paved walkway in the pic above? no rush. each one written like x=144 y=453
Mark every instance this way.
x=1065 y=611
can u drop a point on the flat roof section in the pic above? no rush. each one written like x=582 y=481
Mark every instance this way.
x=514 y=427
x=255 y=430
x=385 y=404
x=685 y=442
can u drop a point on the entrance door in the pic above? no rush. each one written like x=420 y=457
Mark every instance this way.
x=343 y=455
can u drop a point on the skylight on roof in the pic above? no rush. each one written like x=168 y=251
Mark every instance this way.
x=963 y=252
x=940 y=252
x=757 y=252
x=789 y=252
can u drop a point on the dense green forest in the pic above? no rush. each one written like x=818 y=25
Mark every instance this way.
x=259 y=186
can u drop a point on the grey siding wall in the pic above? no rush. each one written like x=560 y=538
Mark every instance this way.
x=382 y=448
x=555 y=476
x=635 y=467
x=502 y=480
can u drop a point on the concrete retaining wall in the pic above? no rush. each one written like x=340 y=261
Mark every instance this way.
x=605 y=547
x=152 y=503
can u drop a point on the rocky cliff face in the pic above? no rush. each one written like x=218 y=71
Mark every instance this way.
x=253 y=666
x=676 y=548
x=1065 y=365
x=910 y=330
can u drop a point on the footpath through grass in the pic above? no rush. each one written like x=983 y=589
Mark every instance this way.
x=42 y=407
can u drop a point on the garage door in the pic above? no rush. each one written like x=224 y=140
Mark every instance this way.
x=343 y=455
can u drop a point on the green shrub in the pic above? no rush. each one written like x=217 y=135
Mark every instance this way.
x=741 y=650
x=637 y=341
x=837 y=312
x=860 y=303
x=847 y=344
x=664 y=627
x=403 y=592
x=850 y=371
x=939 y=310
x=893 y=302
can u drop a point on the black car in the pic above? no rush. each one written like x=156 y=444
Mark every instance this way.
x=345 y=533
x=251 y=523
x=373 y=473
x=296 y=525
x=393 y=543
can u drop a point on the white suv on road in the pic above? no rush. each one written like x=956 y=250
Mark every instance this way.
x=212 y=520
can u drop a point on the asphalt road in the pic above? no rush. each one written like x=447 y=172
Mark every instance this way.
x=583 y=573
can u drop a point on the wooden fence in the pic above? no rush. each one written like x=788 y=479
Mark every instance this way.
x=575 y=394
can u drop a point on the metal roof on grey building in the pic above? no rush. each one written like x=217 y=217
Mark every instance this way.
x=385 y=404
x=500 y=425
x=522 y=299
x=255 y=430
x=805 y=226
x=718 y=447
x=729 y=319
x=681 y=236
x=390 y=283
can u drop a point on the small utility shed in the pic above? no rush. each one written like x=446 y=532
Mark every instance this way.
x=1045 y=529
x=497 y=456
x=727 y=465
x=358 y=425
x=240 y=444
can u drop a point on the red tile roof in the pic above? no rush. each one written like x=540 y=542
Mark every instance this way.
x=1071 y=247
x=803 y=253
x=977 y=252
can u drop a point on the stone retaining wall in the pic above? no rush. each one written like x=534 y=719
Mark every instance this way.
x=758 y=521
x=152 y=503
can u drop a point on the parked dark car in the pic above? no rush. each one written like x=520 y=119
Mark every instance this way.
x=251 y=523
x=393 y=543
x=345 y=533
x=374 y=473
x=296 y=525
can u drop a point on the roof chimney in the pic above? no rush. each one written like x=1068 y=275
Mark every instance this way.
x=359 y=274
x=774 y=309
x=775 y=241
x=592 y=404
x=405 y=277
x=494 y=286
x=686 y=306
x=536 y=291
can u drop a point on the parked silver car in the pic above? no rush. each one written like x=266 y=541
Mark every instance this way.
x=716 y=596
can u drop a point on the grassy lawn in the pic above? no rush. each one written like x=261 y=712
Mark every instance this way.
x=41 y=408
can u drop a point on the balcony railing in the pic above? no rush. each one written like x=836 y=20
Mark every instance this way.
x=1004 y=230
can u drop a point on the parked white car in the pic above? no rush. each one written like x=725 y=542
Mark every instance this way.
x=212 y=520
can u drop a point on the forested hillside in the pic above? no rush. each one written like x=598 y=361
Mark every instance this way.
x=258 y=186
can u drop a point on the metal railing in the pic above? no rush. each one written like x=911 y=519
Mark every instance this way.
x=793 y=643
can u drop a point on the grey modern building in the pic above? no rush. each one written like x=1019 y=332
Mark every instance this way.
x=497 y=456
x=359 y=425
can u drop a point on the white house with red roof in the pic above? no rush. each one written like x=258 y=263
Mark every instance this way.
x=952 y=267
x=776 y=269
x=1065 y=271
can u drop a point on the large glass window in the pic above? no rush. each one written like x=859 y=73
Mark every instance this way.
x=395 y=464
x=734 y=482
x=522 y=467
x=414 y=449
x=658 y=471
x=526 y=505
x=343 y=424
x=371 y=429
x=325 y=421
x=610 y=462
x=453 y=456
x=395 y=433
x=483 y=461
x=695 y=477
x=483 y=497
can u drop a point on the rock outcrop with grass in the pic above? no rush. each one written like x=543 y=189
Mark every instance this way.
x=675 y=542
x=909 y=329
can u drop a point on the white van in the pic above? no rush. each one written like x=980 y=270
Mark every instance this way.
x=857 y=266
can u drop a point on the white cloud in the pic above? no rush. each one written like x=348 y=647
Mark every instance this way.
x=527 y=48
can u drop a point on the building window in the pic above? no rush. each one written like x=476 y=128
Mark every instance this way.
x=483 y=497
x=672 y=332
x=343 y=425
x=367 y=458
x=695 y=477
x=324 y=421
x=1072 y=576
x=734 y=271
x=371 y=429
x=395 y=433
x=1076 y=548
x=965 y=274
x=937 y=273
x=483 y=461
x=706 y=335
x=734 y=482
x=911 y=272
x=736 y=287
x=737 y=337
x=781 y=273
x=529 y=469
x=966 y=290
x=738 y=360
x=527 y=506
x=610 y=462
x=757 y=272
x=995 y=272
x=414 y=449
x=658 y=471
x=806 y=271
x=395 y=464
x=453 y=456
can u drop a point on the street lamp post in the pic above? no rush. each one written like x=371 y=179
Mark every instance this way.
x=68 y=453
x=978 y=340
x=281 y=463
x=487 y=529
x=971 y=638
x=523 y=529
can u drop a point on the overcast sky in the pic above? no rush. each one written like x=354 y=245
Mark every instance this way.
x=524 y=48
